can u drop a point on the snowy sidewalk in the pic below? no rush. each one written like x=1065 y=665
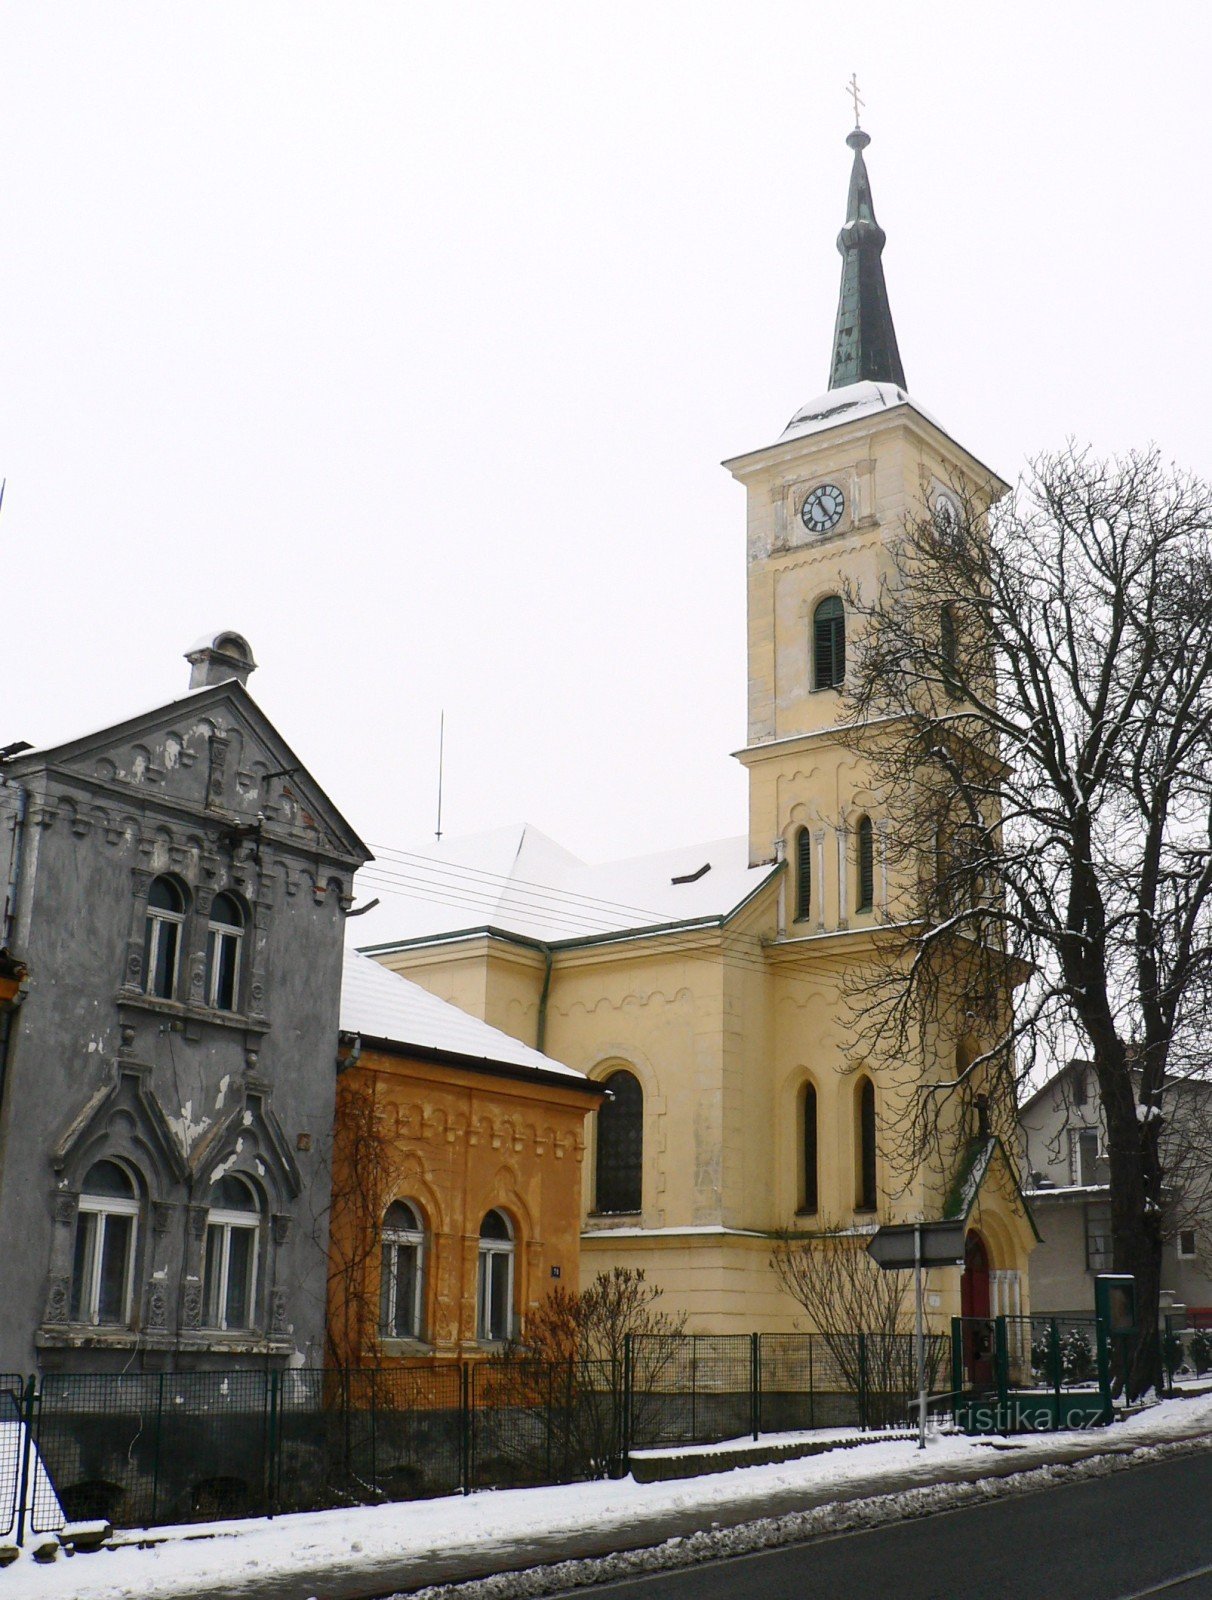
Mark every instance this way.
x=381 y=1550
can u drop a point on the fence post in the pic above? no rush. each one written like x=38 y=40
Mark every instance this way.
x=465 y=1427
x=957 y=1366
x=755 y=1383
x=1054 y=1352
x=155 y=1505
x=627 y=1421
x=271 y=1452
x=26 y=1412
x=1001 y=1348
x=811 y=1337
x=862 y=1395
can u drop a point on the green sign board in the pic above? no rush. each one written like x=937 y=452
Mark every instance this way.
x=1115 y=1302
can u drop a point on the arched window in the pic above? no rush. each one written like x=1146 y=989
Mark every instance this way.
x=948 y=641
x=620 y=1155
x=103 y=1265
x=229 y=1274
x=803 y=875
x=402 y=1275
x=866 y=1199
x=865 y=864
x=162 y=937
x=494 y=1281
x=829 y=644
x=224 y=940
x=808 y=1149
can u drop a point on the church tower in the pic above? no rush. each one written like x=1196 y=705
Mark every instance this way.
x=825 y=503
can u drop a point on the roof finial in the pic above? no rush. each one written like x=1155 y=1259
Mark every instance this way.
x=852 y=89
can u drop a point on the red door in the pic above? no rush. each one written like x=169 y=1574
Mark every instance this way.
x=974 y=1308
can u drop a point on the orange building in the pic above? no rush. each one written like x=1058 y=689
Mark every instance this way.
x=456 y=1176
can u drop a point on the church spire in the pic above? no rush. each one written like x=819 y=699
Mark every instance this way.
x=864 y=340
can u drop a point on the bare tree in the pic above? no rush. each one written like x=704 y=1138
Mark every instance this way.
x=863 y=1315
x=1033 y=687
x=362 y=1170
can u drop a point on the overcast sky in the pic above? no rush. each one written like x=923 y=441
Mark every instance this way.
x=407 y=339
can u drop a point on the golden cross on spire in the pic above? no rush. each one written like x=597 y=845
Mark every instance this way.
x=852 y=89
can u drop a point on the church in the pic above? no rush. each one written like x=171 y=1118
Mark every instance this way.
x=705 y=988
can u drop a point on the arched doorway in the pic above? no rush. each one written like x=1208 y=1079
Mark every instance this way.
x=974 y=1308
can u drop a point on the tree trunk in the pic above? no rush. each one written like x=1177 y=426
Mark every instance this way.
x=1135 y=1226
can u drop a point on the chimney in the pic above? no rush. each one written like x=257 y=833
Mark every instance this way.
x=219 y=657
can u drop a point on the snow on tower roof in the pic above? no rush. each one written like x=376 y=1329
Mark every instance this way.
x=380 y=1004
x=519 y=881
x=848 y=403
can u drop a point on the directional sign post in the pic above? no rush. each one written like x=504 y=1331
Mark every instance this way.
x=897 y=1247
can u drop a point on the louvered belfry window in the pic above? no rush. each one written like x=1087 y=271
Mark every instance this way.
x=866 y=865
x=829 y=644
x=803 y=875
x=620 y=1153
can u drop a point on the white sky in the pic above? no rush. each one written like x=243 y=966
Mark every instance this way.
x=407 y=339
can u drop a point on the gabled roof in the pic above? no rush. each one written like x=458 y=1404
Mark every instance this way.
x=518 y=881
x=379 y=1004
x=230 y=697
x=971 y=1174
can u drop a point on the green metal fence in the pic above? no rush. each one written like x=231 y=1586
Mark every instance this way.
x=137 y=1449
x=1031 y=1374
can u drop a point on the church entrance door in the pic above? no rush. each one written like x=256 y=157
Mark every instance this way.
x=974 y=1308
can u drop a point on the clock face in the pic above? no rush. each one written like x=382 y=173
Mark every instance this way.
x=822 y=508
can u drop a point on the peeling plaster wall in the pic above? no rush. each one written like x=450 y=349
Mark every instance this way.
x=111 y=813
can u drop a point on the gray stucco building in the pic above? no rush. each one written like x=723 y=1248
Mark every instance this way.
x=175 y=888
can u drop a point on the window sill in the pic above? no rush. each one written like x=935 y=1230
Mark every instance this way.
x=395 y=1346
x=138 y=1001
x=245 y=1342
x=608 y=1217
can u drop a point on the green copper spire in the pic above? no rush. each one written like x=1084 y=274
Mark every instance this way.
x=864 y=340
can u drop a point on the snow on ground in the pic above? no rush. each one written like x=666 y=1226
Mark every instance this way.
x=218 y=1558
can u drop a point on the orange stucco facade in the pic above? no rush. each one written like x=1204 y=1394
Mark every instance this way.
x=453 y=1142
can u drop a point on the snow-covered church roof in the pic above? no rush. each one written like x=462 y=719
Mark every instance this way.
x=847 y=404
x=379 y=1004
x=518 y=880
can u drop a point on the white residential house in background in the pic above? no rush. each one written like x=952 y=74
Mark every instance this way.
x=1066 y=1182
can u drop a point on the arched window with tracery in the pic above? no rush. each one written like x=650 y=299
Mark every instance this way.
x=808 y=1149
x=229 y=1273
x=866 y=1198
x=224 y=942
x=162 y=937
x=402 y=1276
x=803 y=875
x=494 y=1279
x=829 y=644
x=865 y=865
x=103 y=1264
x=620 y=1145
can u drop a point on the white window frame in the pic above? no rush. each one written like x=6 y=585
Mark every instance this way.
x=228 y=1222
x=102 y=1207
x=157 y=919
x=490 y=1251
x=394 y=1240
x=217 y=935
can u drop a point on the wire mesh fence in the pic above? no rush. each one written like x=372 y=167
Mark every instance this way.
x=136 y=1449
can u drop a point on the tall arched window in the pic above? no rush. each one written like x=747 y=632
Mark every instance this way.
x=224 y=940
x=103 y=1265
x=402 y=1275
x=808 y=1149
x=803 y=875
x=865 y=865
x=494 y=1280
x=829 y=644
x=620 y=1153
x=229 y=1274
x=162 y=937
x=867 y=1197
x=949 y=648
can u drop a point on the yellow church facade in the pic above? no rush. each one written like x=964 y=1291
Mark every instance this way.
x=707 y=989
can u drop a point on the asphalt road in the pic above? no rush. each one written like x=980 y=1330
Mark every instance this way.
x=1144 y=1532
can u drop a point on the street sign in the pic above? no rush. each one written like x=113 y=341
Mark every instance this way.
x=894 y=1246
